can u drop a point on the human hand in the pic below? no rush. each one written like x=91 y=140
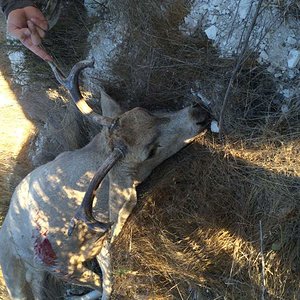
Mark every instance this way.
x=29 y=25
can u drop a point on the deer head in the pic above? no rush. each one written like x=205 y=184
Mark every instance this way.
x=141 y=138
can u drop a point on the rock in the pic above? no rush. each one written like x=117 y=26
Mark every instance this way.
x=287 y=93
x=290 y=40
x=293 y=58
x=291 y=74
x=264 y=56
x=211 y=32
x=244 y=8
x=284 y=108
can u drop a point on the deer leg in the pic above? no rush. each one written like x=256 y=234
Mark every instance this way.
x=14 y=271
x=124 y=209
x=36 y=280
x=14 y=274
x=123 y=215
x=104 y=262
x=43 y=284
x=93 y=295
x=84 y=277
x=120 y=206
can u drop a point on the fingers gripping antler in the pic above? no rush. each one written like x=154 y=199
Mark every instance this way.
x=71 y=83
x=85 y=211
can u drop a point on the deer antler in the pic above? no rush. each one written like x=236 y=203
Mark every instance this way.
x=71 y=83
x=85 y=211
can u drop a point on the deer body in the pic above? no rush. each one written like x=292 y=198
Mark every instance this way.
x=34 y=237
x=38 y=229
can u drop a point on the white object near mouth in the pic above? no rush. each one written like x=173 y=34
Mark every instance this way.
x=214 y=126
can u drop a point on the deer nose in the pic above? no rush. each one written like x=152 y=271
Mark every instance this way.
x=200 y=114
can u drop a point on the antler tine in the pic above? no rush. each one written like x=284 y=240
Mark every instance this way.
x=71 y=83
x=85 y=211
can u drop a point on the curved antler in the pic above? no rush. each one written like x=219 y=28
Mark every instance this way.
x=85 y=211
x=71 y=83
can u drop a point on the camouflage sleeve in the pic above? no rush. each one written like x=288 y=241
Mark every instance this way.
x=8 y=5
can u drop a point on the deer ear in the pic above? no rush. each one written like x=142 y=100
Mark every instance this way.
x=110 y=108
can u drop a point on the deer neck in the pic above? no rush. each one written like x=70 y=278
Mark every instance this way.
x=99 y=147
x=122 y=187
x=122 y=198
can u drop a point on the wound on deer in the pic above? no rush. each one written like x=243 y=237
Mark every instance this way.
x=43 y=250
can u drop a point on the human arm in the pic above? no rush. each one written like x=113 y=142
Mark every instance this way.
x=26 y=23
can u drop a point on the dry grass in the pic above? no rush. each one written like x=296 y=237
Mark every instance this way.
x=290 y=9
x=197 y=227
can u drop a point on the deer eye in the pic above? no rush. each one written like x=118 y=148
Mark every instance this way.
x=152 y=152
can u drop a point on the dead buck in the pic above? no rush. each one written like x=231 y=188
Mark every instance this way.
x=34 y=238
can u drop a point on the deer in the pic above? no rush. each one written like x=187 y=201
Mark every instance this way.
x=70 y=210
